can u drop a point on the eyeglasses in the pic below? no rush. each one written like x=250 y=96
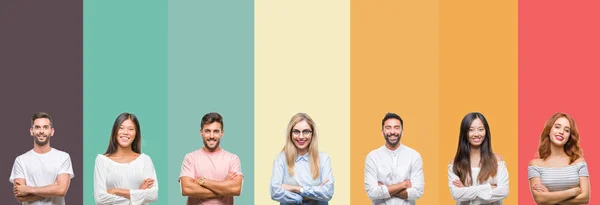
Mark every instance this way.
x=306 y=132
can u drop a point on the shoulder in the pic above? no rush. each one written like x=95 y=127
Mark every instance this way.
x=60 y=153
x=193 y=154
x=416 y=156
x=230 y=155
x=25 y=155
x=101 y=159
x=323 y=155
x=536 y=162
x=280 y=156
x=373 y=153
x=581 y=159
x=410 y=150
x=498 y=157
x=145 y=157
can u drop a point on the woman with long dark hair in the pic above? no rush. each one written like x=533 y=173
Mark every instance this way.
x=560 y=175
x=477 y=175
x=124 y=175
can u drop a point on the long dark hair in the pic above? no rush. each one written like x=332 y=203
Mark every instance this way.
x=462 y=160
x=136 y=146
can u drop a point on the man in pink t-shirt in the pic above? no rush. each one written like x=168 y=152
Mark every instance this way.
x=211 y=175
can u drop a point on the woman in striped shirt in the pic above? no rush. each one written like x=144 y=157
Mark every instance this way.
x=560 y=175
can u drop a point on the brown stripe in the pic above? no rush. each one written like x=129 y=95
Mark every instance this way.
x=41 y=70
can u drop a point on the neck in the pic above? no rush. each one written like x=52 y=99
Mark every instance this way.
x=391 y=147
x=558 y=151
x=475 y=156
x=41 y=149
x=302 y=152
x=209 y=150
x=475 y=151
x=122 y=151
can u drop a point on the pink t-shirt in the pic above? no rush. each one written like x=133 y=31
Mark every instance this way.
x=210 y=165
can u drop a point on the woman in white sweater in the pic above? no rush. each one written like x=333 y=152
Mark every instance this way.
x=123 y=175
x=477 y=175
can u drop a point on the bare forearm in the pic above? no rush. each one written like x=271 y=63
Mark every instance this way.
x=29 y=198
x=552 y=197
x=395 y=189
x=224 y=188
x=52 y=190
x=196 y=191
x=579 y=199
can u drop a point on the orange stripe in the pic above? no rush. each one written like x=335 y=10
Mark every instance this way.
x=478 y=72
x=394 y=54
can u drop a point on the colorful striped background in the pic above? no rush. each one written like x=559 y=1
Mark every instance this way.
x=345 y=63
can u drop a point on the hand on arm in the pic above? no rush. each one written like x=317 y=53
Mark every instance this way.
x=24 y=198
x=400 y=189
x=499 y=187
x=146 y=184
x=232 y=186
x=460 y=192
x=58 y=189
x=581 y=193
x=541 y=195
x=191 y=188
x=323 y=192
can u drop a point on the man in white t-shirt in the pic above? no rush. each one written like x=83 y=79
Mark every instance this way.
x=42 y=175
x=394 y=171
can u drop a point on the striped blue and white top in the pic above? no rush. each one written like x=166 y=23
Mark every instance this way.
x=559 y=178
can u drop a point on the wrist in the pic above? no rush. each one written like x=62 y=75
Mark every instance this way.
x=201 y=181
x=29 y=190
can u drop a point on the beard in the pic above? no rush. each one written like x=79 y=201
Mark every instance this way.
x=387 y=139
x=42 y=143
x=211 y=148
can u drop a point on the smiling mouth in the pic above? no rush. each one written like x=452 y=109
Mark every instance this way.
x=301 y=142
x=559 y=138
x=124 y=138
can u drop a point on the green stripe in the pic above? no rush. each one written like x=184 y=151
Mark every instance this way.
x=211 y=62
x=125 y=68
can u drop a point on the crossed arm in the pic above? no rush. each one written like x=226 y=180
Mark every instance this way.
x=576 y=195
x=410 y=189
x=483 y=193
x=232 y=186
x=25 y=193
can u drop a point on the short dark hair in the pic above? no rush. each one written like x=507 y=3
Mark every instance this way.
x=39 y=115
x=136 y=145
x=209 y=118
x=390 y=115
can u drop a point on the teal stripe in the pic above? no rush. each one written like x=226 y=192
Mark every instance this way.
x=125 y=68
x=211 y=62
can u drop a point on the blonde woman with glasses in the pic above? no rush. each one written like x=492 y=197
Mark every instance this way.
x=302 y=174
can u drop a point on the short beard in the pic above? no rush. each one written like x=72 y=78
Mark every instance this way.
x=211 y=149
x=389 y=142
x=40 y=143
